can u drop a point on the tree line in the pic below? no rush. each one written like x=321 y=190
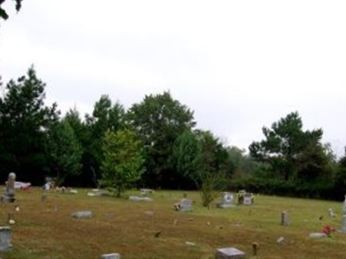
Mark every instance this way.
x=155 y=143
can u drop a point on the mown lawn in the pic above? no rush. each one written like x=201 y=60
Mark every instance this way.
x=47 y=230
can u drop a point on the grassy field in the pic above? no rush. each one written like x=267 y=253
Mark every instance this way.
x=47 y=230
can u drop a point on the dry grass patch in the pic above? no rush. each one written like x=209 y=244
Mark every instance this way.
x=155 y=230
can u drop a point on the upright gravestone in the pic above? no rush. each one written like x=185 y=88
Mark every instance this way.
x=9 y=195
x=5 y=238
x=343 y=218
x=284 y=218
x=226 y=200
x=183 y=205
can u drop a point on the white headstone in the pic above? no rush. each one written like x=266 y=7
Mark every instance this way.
x=110 y=256
x=229 y=253
x=247 y=200
x=85 y=214
x=227 y=200
x=317 y=235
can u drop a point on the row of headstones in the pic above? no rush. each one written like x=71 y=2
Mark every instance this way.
x=227 y=201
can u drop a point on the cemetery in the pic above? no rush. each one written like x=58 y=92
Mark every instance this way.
x=64 y=225
x=98 y=159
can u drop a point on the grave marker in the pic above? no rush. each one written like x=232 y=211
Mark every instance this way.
x=9 y=195
x=5 y=238
x=229 y=253
x=227 y=200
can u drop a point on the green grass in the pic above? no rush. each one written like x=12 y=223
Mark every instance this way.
x=47 y=230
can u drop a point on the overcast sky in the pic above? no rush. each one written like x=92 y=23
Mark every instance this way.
x=239 y=65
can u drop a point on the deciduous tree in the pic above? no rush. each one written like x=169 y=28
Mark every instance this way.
x=123 y=160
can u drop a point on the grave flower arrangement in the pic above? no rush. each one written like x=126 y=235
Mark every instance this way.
x=328 y=230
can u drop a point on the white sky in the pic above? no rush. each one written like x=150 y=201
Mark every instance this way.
x=239 y=65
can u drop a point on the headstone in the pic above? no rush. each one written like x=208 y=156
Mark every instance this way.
x=245 y=198
x=9 y=195
x=110 y=256
x=331 y=213
x=284 y=218
x=183 y=205
x=317 y=235
x=97 y=192
x=280 y=240
x=137 y=198
x=72 y=191
x=229 y=253
x=343 y=217
x=146 y=192
x=343 y=224
x=85 y=214
x=226 y=200
x=5 y=238
x=188 y=243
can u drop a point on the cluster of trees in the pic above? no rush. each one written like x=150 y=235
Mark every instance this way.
x=155 y=144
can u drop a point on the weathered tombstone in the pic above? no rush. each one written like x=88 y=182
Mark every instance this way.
x=9 y=195
x=317 y=235
x=284 y=218
x=183 y=205
x=343 y=217
x=5 y=238
x=146 y=192
x=229 y=253
x=331 y=213
x=137 y=198
x=247 y=199
x=84 y=214
x=226 y=200
x=110 y=256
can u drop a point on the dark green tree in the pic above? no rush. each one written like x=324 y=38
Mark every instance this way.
x=105 y=116
x=24 y=121
x=3 y=13
x=292 y=152
x=159 y=120
x=123 y=160
x=186 y=156
x=64 y=151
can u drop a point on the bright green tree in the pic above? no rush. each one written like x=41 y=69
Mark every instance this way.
x=159 y=120
x=64 y=151
x=123 y=160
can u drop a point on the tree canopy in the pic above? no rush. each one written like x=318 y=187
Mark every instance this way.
x=3 y=13
x=24 y=120
x=159 y=120
x=123 y=161
x=291 y=151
